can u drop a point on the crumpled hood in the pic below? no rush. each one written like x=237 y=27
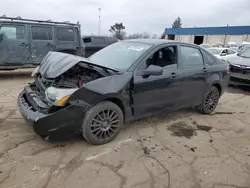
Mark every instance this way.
x=237 y=60
x=56 y=63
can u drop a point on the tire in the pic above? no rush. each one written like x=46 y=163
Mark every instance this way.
x=210 y=101
x=102 y=123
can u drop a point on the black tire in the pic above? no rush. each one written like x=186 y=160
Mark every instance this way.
x=102 y=123
x=209 y=101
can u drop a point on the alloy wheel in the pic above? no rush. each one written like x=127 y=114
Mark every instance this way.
x=105 y=124
x=211 y=100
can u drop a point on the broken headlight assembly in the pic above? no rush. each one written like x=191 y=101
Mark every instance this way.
x=35 y=71
x=58 y=96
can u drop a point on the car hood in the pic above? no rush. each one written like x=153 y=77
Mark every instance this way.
x=237 y=60
x=56 y=63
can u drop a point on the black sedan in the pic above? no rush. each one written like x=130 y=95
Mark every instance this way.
x=240 y=68
x=122 y=82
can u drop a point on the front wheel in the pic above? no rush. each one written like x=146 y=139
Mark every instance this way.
x=102 y=123
x=209 y=101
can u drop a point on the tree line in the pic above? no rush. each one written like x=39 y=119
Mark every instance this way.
x=118 y=31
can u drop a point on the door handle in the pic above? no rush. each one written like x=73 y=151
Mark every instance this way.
x=23 y=44
x=173 y=75
x=204 y=69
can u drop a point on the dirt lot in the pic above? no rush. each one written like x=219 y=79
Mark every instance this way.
x=179 y=150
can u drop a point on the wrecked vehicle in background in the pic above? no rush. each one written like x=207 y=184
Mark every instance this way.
x=122 y=82
x=240 y=68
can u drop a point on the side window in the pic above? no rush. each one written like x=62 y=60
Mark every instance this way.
x=225 y=52
x=111 y=40
x=41 y=33
x=190 y=56
x=87 y=40
x=230 y=52
x=209 y=58
x=66 y=34
x=98 y=40
x=165 y=57
x=13 y=32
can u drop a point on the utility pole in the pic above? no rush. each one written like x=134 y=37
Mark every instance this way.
x=99 y=22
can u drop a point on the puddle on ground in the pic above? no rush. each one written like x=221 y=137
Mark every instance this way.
x=181 y=129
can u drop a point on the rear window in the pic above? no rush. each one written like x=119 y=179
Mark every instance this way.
x=98 y=40
x=111 y=40
x=41 y=33
x=66 y=34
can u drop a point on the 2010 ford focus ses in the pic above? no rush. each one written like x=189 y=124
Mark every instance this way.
x=122 y=82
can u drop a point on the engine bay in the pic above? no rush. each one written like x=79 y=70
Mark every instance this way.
x=76 y=77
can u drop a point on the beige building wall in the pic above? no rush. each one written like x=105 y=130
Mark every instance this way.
x=184 y=38
x=236 y=38
x=215 y=38
x=224 y=39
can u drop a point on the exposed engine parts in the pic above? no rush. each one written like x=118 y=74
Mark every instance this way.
x=76 y=77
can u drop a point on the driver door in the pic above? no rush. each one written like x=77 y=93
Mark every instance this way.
x=157 y=93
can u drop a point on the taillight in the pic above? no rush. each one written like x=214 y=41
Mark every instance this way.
x=228 y=68
x=83 y=52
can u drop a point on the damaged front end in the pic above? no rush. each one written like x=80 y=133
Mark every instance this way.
x=48 y=103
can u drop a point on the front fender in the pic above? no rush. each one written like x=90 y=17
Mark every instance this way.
x=101 y=89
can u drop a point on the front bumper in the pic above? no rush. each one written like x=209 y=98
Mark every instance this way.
x=56 y=126
x=239 y=79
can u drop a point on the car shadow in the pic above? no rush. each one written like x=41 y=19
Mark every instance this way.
x=238 y=89
x=20 y=73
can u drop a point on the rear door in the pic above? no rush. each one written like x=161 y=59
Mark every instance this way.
x=193 y=72
x=42 y=42
x=14 y=48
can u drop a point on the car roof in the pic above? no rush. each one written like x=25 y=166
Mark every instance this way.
x=158 y=41
x=220 y=48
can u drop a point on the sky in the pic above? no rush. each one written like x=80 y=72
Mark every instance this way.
x=151 y=16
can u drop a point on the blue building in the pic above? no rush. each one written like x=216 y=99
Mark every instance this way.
x=199 y=35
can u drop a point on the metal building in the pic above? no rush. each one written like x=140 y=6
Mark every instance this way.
x=199 y=35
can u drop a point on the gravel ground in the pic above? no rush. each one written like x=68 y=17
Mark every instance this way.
x=183 y=149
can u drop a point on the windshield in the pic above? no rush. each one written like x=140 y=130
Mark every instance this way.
x=204 y=46
x=245 y=53
x=233 y=45
x=214 y=51
x=120 y=55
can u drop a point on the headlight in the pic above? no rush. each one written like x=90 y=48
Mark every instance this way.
x=58 y=96
x=35 y=71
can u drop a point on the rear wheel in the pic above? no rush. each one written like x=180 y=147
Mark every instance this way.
x=209 y=101
x=102 y=123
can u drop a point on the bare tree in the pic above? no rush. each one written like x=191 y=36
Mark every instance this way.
x=177 y=23
x=143 y=35
x=117 y=30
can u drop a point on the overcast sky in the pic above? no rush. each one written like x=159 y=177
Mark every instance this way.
x=151 y=16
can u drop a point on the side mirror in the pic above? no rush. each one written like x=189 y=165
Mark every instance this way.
x=223 y=54
x=1 y=36
x=151 y=70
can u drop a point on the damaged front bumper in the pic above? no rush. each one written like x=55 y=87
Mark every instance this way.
x=56 y=126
